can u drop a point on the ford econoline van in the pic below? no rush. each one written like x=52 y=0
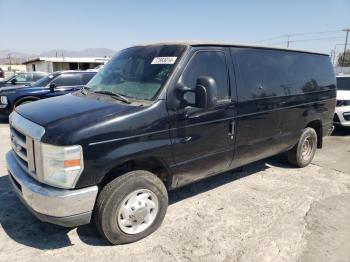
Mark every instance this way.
x=157 y=117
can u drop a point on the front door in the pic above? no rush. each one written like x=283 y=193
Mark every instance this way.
x=203 y=139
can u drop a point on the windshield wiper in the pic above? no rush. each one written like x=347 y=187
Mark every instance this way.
x=115 y=95
x=84 y=90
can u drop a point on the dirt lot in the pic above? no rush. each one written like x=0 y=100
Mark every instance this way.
x=268 y=211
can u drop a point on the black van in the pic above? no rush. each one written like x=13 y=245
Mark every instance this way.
x=158 y=117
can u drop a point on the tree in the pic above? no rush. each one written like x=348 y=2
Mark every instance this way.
x=346 y=60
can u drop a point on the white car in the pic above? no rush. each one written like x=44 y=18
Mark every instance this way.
x=342 y=110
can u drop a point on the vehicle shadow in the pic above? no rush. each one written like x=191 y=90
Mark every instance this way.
x=21 y=226
x=341 y=131
x=4 y=120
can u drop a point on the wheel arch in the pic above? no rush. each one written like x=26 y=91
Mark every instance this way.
x=317 y=126
x=24 y=99
x=152 y=164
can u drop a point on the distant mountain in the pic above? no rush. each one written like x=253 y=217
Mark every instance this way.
x=18 y=57
x=5 y=53
x=91 y=52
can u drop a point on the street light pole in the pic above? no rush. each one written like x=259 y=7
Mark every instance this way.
x=346 y=43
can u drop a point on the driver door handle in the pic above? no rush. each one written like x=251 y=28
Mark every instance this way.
x=231 y=132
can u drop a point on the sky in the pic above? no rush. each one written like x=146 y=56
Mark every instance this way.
x=34 y=26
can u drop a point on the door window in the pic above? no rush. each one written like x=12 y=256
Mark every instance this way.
x=67 y=80
x=207 y=63
x=86 y=77
x=21 y=78
x=37 y=76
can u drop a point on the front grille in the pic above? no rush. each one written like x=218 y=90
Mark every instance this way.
x=23 y=146
x=346 y=116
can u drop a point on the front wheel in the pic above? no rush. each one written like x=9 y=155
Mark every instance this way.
x=131 y=207
x=303 y=153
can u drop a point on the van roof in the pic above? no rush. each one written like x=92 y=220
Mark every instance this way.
x=211 y=43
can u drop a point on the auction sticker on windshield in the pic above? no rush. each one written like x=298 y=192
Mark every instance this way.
x=164 y=60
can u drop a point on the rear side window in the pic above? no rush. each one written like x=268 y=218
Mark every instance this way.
x=208 y=63
x=67 y=80
x=85 y=78
x=270 y=73
x=36 y=77
x=343 y=83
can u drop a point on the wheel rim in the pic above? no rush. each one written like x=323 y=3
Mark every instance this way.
x=307 y=148
x=137 y=211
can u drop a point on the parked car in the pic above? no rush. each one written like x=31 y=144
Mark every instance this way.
x=157 y=117
x=342 y=111
x=21 y=79
x=55 y=84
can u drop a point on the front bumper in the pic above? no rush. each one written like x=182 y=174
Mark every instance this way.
x=342 y=116
x=58 y=206
x=5 y=111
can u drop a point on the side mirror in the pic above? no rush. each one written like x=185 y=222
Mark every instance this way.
x=14 y=81
x=52 y=87
x=206 y=92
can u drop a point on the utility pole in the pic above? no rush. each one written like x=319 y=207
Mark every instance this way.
x=10 y=62
x=288 y=37
x=347 y=30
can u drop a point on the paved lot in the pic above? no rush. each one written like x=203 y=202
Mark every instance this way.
x=268 y=211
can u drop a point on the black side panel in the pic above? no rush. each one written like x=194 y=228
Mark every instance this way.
x=279 y=93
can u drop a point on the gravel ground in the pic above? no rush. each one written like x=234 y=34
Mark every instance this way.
x=267 y=211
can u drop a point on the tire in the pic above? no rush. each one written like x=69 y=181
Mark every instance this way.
x=303 y=152
x=116 y=201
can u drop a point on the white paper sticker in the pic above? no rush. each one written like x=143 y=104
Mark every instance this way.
x=164 y=60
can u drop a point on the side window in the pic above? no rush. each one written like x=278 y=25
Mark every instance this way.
x=264 y=73
x=270 y=73
x=85 y=78
x=37 y=76
x=207 y=63
x=24 y=78
x=67 y=80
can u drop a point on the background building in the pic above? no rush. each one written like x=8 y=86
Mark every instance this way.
x=52 y=64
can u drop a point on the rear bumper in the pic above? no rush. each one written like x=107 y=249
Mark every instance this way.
x=58 y=206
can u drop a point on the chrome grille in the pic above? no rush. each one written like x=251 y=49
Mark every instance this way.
x=25 y=140
x=22 y=145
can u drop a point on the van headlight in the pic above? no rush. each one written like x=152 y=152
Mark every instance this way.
x=3 y=100
x=61 y=165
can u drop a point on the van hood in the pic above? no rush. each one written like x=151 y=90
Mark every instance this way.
x=69 y=109
x=343 y=95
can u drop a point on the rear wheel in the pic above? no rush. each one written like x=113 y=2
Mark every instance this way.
x=303 y=152
x=131 y=207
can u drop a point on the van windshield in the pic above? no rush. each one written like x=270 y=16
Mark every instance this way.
x=343 y=83
x=137 y=72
